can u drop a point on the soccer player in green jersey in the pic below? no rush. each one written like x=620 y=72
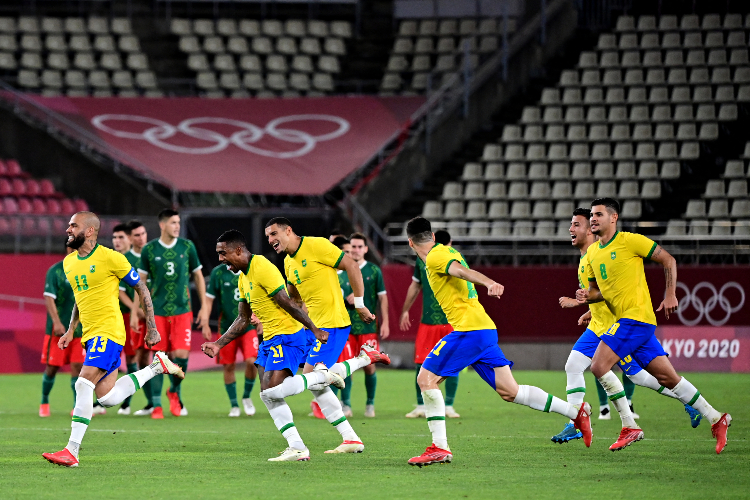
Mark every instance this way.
x=432 y=328
x=170 y=261
x=59 y=300
x=222 y=285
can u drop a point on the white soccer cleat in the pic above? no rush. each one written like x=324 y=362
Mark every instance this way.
x=451 y=413
x=370 y=411
x=348 y=447
x=332 y=378
x=292 y=455
x=635 y=415
x=347 y=411
x=183 y=412
x=99 y=410
x=605 y=414
x=249 y=407
x=235 y=411
x=144 y=412
x=167 y=366
x=417 y=412
x=124 y=411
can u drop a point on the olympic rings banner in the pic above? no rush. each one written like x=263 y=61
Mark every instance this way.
x=268 y=146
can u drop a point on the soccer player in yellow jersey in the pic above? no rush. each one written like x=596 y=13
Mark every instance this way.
x=473 y=342
x=94 y=272
x=285 y=341
x=616 y=276
x=310 y=265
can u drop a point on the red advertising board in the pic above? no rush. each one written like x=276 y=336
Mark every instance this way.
x=707 y=348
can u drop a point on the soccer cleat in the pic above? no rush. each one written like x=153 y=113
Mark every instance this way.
x=124 y=411
x=332 y=378
x=635 y=415
x=569 y=433
x=604 y=413
x=370 y=411
x=348 y=447
x=719 y=431
x=417 y=412
x=44 y=410
x=183 y=411
x=249 y=407
x=144 y=411
x=167 y=366
x=174 y=403
x=63 y=457
x=235 y=411
x=451 y=413
x=347 y=411
x=695 y=416
x=99 y=410
x=374 y=355
x=432 y=455
x=157 y=412
x=627 y=437
x=582 y=422
x=292 y=455
x=316 y=411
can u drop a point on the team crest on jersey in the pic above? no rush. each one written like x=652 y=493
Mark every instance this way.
x=582 y=269
x=304 y=262
x=92 y=269
x=613 y=255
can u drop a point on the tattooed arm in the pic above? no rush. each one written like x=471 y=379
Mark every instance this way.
x=66 y=339
x=237 y=329
x=661 y=256
x=152 y=335
x=295 y=311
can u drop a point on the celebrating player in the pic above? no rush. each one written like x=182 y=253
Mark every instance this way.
x=433 y=327
x=599 y=318
x=94 y=273
x=170 y=261
x=615 y=273
x=310 y=265
x=223 y=284
x=473 y=342
x=58 y=297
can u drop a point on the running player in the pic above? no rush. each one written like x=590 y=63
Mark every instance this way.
x=58 y=297
x=94 y=273
x=615 y=273
x=170 y=261
x=286 y=343
x=598 y=318
x=342 y=243
x=364 y=333
x=433 y=327
x=473 y=342
x=222 y=284
x=310 y=265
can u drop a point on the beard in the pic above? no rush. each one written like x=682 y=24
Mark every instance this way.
x=76 y=242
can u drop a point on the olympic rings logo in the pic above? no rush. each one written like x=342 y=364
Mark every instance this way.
x=704 y=310
x=159 y=131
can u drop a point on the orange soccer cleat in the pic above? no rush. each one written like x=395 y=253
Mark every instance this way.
x=374 y=355
x=582 y=422
x=63 y=457
x=719 y=431
x=174 y=403
x=44 y=410
x=627 y=437
x=432 y=455
x=158 y=412
x=316 y=411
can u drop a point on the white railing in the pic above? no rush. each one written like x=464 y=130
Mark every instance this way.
x=22 y=301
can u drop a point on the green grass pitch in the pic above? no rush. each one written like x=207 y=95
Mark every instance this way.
x=501 y=450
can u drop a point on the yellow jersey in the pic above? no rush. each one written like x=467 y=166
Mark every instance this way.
x=617 y=268
x=458 y=298
x=95 y=280
x=312 y=270
x=601 y=317
x=258 y=285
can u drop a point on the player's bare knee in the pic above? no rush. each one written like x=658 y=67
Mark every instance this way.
x=229 y=368
x=668 y=380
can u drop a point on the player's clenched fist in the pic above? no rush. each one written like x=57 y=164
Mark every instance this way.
x=495 y=290
x=582 y=295
x=152 y=337
x=65 y=340
x=321 y=335
x=210 y=349
x=365 y=315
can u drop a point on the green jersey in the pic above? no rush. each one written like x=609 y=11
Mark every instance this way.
x=169 y=268
x=56 y=286
x=135 y=261
x=432 y=313
x=374 y=286
x=223 y=285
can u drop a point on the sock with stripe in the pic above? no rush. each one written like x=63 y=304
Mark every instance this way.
x=537 y=399
x=576 y=386
x=295 y=385
x=434 y=410
x=420 y=401
x=175 y=382
x=73 y=381
x=645 y=379
x=451 y=386
x=232 y=393
x=283 y=420
x=346 y=368
x=126 y=387
x=249 y=383
x=82 y=413
x=616 y=394
x=47 y=383
x=346 y=393
x=371 y=385
x=132 y=368
x=689 y=395
x=629 y=387
x=329 y=405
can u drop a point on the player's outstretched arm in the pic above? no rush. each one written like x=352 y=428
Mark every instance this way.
x=152 y=335
x=411 y=295
x=297 y=312
x=237 y=329
x=74 y=321
x=567 y=302
x=358 y=287
x=661 y=256
x=494 y=289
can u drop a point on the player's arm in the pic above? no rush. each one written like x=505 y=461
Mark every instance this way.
x=202 y=318
x=130 y=304
x=494 y=289
x=66 y=339
x=383 y=306
x=237 y=329
x=58 y=329
x=590 y=295
x=585 y=318
x=358 y=287
x=567 y=302
x=152 y=335
x=205 y=327
x=294 y=294
x=295 y=311
x=411 y=295
x=661 y=256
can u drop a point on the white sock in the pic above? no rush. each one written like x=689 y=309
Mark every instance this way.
x=574 y=368
x=331 y=408
x=346 y=368
x=82 y=413
x=295 y=385
x=282 y=418
x=124 y=387
x=434 y=410
x=689 y=395
x=645 y=379
x=535 y=398
x=616 y=393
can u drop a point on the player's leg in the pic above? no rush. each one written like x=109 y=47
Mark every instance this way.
x=111 y=394
x=604 y=411
x=143 y=359
x=75 y=371
x=629 y=388
x=53 y=358
x=249 y=347
x=371 y=377
x=48 y=381
x=350 y=350
x=179 y=339
x=419 y=410
x=282 y=417
x=132 y=366
x=164 y=326
x=230 y=384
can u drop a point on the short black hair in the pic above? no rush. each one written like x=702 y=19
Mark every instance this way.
x=167 y=213
x=121 y=227
x=419 y=230
x=583 y=212
x=442 y=236
x=232 y=238
x=340 y=241
x=282 y=222
x=358 y=236
x=610 y=203
x=134 y=224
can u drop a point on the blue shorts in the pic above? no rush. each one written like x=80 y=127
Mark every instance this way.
x=283 y=352
x=102 y=353
x=632 y=339
x=329 y=352
x=589 y=341
x=457 y=350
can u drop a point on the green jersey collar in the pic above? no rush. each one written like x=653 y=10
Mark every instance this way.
x=249 y=263
x=301 y=239
x=90 y=253
x=610 y=241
